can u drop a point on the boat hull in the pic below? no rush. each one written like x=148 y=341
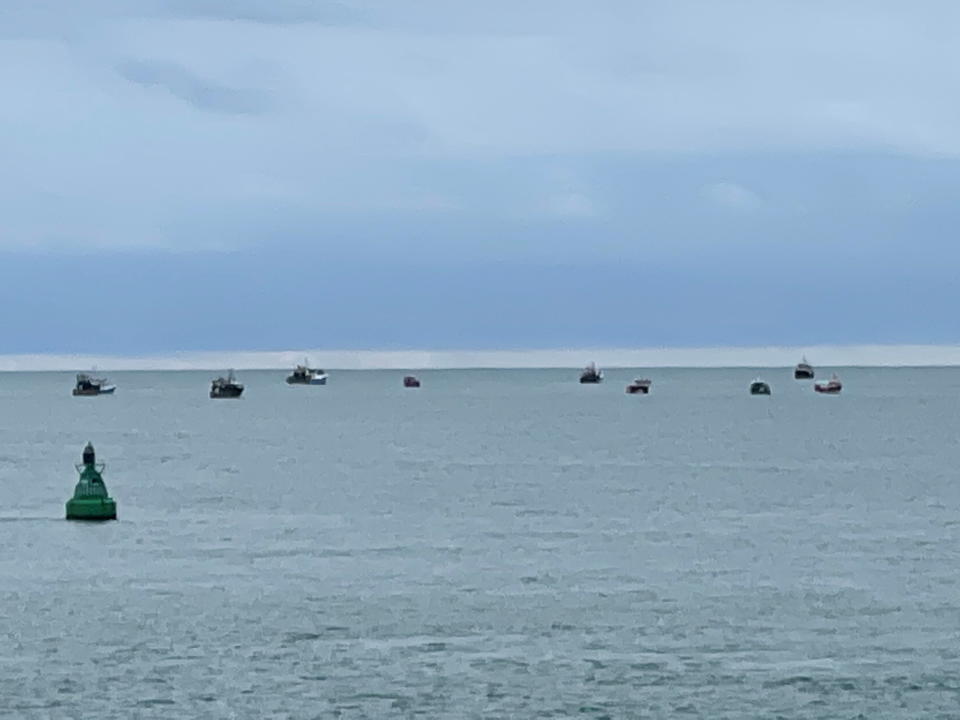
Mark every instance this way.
x=803 y=374
x=827 y=390
x=91 y=508
x=226 y=393
x=308 y=381
x=107 y=390
x=638 y=389
x=591 y=379
x=760 y=389
x=411 y=382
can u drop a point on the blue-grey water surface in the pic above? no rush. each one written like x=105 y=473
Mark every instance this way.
x=496 y=544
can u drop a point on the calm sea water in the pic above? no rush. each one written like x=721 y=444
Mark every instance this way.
x=497 y=544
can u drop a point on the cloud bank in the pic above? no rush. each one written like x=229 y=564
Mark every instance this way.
x=188 y=174
x=717 y=357
x=196 y=124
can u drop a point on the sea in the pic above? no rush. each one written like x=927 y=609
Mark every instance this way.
x=495 y=544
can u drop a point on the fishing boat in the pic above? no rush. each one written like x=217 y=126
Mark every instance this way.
x=226 y=387
x=591 y=375
x=639 y=386
x=803 y=370
x=410 y=381
x=304 y=375
x=88 y=386
x=833 y=387
x=759 y=387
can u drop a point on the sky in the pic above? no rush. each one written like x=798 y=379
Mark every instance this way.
x=266 y=175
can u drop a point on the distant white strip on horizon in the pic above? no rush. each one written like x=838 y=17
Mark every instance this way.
x=825 y=355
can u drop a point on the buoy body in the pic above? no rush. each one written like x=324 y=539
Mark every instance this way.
x=90 y=500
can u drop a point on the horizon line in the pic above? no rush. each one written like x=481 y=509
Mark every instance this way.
x=761 y=356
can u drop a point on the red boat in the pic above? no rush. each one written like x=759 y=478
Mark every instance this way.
x=829 y=388
x=640 y=386
x=411 y=382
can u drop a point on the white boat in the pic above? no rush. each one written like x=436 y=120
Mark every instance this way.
x=88 y=385
x=829 y=388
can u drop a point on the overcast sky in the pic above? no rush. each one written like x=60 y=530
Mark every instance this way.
x=272 y=174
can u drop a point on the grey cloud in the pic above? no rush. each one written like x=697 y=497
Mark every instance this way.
x=443 y=107
x=202 y=93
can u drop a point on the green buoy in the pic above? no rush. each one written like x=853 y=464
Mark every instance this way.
x=90 y=500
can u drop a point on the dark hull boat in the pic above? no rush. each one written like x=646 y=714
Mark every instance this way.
x=640 y=386
x=591 y=375
x=759 y=387
x=803 y=371
x=410 y=381
x=88 y=386
x=226 y=387
x=303 y=375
